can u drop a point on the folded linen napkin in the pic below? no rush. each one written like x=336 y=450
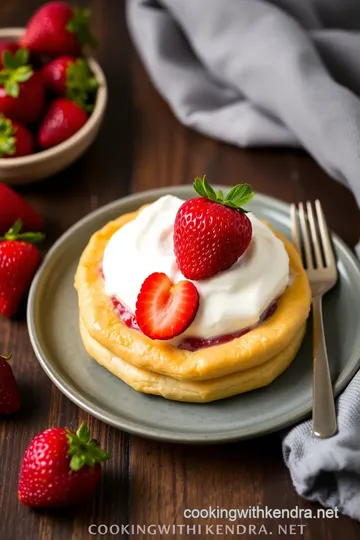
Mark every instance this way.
x=278 y=72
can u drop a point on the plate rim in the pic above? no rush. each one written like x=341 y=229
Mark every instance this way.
x=76 y=396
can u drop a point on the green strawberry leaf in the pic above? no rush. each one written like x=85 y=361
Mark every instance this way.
x=240 y=194
x=16 y=228
x=15 y=234
x=80 y=84
x=22 y=57
x=15 y=71
x=83 y=450
x=237 y=197
x=23 y=73
x=203 y=188
x=12 y=88
x=9 y=61
x=7 y=137
x=80 y=26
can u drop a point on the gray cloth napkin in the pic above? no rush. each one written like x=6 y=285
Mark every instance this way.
x=256 y=73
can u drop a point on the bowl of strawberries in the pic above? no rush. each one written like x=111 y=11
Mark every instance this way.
x=53 y=95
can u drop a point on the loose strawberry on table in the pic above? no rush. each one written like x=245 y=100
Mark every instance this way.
x=22 y=92
x=10 y=400
x=211 y=231
x=15 y=139
x=13 y=208
x=60 y=468
x=63 y=119
x=71 y=77
x=57 y=28
x=19 y=260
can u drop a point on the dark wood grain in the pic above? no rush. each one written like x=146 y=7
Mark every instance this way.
x=142 y=146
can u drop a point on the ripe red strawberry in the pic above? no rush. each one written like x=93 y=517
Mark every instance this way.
x=19 y=260
x=211 y=232
x=13 y=207
x=165 y=310
x=63 y=119
x=70 y=77
x=15 y=139
x=22 y=93
x=9 y=393
x=9 y=46
x=56 y=29
x=60 y=468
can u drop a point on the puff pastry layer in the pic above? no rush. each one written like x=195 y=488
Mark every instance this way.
x=152 y=366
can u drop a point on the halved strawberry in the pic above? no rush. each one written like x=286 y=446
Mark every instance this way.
x=164 y=309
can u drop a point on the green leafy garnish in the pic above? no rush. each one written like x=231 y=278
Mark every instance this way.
x=237 y=197
x=15 y=70
x=83 y=449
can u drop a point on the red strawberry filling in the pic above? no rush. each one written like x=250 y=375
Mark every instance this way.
x=192 y=343
x=124 y=314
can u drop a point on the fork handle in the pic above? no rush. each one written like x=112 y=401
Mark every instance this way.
x=324 y=415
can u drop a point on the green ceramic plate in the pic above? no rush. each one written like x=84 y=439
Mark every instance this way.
x=54 y=333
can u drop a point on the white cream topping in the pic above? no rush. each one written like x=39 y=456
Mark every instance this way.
x=229 y=301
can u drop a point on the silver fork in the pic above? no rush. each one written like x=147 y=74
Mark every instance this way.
x=320 y=265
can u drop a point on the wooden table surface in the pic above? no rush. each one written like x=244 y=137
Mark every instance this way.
x=141 y=146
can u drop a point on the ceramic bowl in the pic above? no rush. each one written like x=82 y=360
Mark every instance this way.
x=23 y=170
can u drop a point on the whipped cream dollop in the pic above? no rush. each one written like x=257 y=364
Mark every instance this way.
x=229 y=301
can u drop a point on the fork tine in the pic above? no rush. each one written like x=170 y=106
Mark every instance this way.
x=305 y=235
x=295 y=227
x=325 y=237
x=314 y=235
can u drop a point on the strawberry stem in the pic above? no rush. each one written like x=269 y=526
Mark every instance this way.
x=14 y=234
x=237 y=197
x=83 y=450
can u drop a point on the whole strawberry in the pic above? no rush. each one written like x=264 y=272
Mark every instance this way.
x=57 y=28
x=60 y=468
x=14 y=207
x=22 y=92
x=19 y=260
x=9 y=393
x=63 y=119
x=211 y=232
x=70 y=77
x=15 y=139
x=9 y=46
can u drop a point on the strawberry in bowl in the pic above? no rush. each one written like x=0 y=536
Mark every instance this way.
x=56 y=29
x=50 y=87
x=15 y=139
x=22 y=91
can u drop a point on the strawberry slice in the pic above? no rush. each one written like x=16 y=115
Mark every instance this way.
x=165 y=310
